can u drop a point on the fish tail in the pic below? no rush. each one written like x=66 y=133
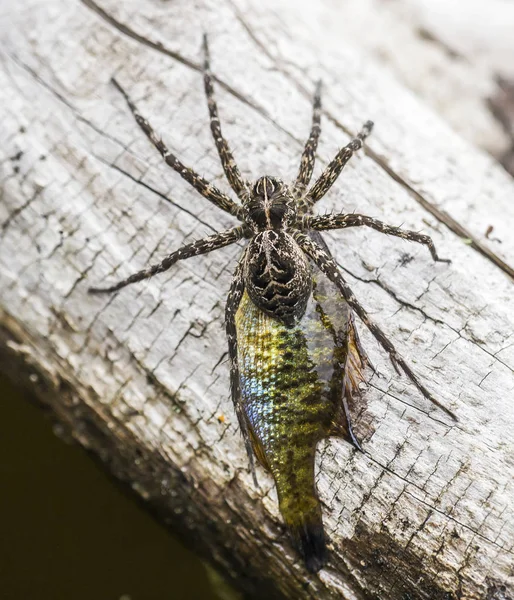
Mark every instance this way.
x=308 y=537
x=301 y=509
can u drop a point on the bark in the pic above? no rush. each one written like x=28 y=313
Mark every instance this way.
x=141 y=379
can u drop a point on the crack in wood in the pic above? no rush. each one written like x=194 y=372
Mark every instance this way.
x=159 y=47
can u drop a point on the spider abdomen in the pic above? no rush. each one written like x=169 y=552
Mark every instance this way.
x=278 y=275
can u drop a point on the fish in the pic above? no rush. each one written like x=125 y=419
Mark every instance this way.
x=296 y=383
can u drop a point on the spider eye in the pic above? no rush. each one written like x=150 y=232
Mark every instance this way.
x=265 y=187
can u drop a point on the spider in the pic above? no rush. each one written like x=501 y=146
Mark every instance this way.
x=276 y=219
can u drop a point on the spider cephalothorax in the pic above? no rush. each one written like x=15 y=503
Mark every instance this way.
x=271 y=205
x=275 y=271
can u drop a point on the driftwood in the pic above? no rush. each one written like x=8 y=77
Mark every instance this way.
x=141 y=379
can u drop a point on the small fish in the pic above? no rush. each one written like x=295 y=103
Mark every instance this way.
x=295 y=385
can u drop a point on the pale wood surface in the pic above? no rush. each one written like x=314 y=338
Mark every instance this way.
x=448 y=52
x=141 y=379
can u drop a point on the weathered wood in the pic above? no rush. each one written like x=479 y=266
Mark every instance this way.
x=141 y=378
x=449 y=54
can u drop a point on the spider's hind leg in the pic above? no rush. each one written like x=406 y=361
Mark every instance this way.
x=233 y=300
x=329 y=267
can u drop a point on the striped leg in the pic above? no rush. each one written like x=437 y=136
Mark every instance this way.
x=328 y=266
x=332 y=172
x=235 y=294
x=326 y=222
x=203 y=246
x=200 y=184
x=227 y=159
x=309 y=152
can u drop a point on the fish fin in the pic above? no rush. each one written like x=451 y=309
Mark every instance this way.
x=299 y=503
x=258 y=449
x=308 y=538
x=356 y=361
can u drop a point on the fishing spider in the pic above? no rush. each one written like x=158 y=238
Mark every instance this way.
x=276 y=218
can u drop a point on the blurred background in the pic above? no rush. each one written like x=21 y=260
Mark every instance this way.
x=69 y=532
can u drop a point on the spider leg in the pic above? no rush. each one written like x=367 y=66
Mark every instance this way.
x=233 y=300
x=227 y=159
x=340 y=221
x=207 y=244
x=201 y=185
x=309 y=152
x=328 y=266
x=334 y=168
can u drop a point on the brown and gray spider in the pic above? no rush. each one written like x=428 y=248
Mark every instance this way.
x=276 y=218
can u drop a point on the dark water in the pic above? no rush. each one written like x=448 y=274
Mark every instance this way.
x=68 y=533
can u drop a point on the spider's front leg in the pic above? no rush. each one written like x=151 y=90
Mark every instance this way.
x=334 y=168
x=329 y=267
x=201 y=185
x=341 y=221
x=227 y=159
x=309 y=152
x=203 y=246
x=235 y=294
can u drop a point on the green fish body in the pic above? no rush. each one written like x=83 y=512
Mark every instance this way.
x=293 y=382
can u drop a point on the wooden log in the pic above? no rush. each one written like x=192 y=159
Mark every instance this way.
x=141 y=379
